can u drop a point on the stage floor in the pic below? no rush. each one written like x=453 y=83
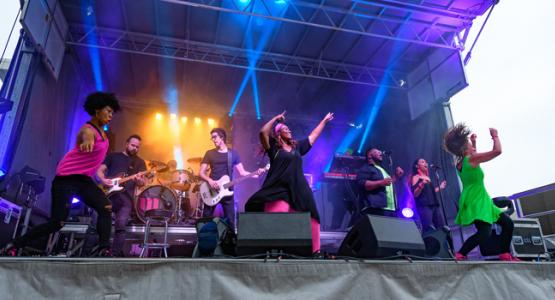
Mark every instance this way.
x=76 y=278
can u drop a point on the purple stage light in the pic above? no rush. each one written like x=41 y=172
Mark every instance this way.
x=75 y=200
x=407 y=212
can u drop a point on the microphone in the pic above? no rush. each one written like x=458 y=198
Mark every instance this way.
x=435 y=167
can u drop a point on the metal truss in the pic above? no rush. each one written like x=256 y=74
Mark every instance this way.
x=353 y=19
x=180 y=49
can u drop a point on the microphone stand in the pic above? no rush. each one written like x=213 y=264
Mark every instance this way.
x=446 y=228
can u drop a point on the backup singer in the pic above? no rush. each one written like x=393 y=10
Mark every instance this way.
x=376 y=185
x=475 y=205
x=425 y=196
x=285 y=188
x=74 y=176
x=129 y=163
x=221 y=161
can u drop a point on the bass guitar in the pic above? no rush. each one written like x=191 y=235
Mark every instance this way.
x=211 y=196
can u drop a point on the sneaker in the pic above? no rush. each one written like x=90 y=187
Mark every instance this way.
x=507 y=257
x=460 y=257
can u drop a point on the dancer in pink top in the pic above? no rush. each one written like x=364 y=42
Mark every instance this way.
x=74 y=177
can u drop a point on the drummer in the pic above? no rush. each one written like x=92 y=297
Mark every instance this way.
x=169 y=176
x=177 y=179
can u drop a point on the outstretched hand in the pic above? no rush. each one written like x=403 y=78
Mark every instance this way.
x=87 y=146
x=281 y=117
x=328 y=117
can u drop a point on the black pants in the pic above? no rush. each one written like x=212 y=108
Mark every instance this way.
x=430 y=217
x=64 y=188
x=228 y=205
x=484 y=232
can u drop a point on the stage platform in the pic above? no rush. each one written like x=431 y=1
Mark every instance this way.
x=73 y=278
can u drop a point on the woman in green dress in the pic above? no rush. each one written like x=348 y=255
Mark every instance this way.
x=475 y=205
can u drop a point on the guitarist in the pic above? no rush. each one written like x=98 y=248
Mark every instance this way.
x=377 y=185
x=221 y=161
x=116 y=164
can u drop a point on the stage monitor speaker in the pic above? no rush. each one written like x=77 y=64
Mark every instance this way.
x=262 y=232
x=438 y=242
x=381 y=237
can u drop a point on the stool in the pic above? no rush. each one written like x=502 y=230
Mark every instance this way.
x=160 y=216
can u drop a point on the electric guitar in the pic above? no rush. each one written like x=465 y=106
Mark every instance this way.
x=118 y=181
x=211 y=196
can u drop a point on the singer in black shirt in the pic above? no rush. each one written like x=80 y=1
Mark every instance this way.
x=425 y=196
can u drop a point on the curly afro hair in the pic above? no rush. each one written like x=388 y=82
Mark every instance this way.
x=99 y=100
x=455 y=139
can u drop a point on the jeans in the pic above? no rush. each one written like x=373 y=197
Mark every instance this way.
x=64 y=189
x=122 y=204
x=228 y=205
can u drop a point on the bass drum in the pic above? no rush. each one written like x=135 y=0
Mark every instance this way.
x=155 y=197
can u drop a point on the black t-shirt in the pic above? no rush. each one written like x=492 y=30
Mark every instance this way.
x=285 y=180
x=427 y=197
x=119 y=164
x=218 y=162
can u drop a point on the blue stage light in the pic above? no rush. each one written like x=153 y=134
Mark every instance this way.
x=75 y=200
x=89 y=18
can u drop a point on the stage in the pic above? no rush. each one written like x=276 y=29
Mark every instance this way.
x=63 y=278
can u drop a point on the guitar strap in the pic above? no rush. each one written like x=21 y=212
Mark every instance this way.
x=229 y=163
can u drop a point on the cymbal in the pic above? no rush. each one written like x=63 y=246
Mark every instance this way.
x=157 y=164
x=194 y=160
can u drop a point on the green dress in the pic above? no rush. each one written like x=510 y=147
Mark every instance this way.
x=475 y=203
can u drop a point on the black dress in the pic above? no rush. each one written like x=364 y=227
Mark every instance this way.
x=285 y=181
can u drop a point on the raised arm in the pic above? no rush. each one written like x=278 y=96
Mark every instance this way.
x=266 y=130
x=478 y=158
x=318 y=130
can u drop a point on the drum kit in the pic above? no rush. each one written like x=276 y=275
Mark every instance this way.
x=176 y=190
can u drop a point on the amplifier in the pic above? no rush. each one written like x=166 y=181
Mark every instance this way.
x=528 y=241
x=10 y=213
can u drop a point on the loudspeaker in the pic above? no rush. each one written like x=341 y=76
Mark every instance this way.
x=379 y=237
x=438 y=242
x=287 y=232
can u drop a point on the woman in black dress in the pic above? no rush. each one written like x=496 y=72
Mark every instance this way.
x=285 y=188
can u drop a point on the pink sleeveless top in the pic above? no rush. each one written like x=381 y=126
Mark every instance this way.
x=77 y=162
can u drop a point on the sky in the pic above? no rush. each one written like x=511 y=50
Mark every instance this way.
x=7 y=16
x=509 y=74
